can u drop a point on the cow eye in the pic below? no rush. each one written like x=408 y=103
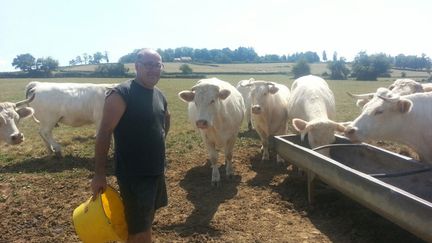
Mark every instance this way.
x=212 y=102
x=378 y=112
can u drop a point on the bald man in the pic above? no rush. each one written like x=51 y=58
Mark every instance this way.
x=136 y=112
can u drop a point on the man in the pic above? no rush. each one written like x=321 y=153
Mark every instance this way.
x=136 y=112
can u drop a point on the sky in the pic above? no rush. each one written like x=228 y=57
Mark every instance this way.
x=64 y=30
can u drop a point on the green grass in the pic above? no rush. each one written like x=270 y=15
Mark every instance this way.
x=261 y=68
x=79 y=142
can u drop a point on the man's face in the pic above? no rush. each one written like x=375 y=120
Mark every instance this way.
x=149 y=69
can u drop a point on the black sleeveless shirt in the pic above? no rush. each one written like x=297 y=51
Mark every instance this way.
x=140 y=136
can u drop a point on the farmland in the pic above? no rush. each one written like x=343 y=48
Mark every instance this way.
x=263 y=202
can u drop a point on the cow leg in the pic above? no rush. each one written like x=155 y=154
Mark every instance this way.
x=52 y=146
x=250 y=127
x=249 y=120
x=265 y=149
x=279 y=159
x=228 y=157
x=213 y=163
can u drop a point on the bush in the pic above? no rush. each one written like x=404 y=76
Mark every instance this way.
x=112 y=70
x=339 y=70
x=301 y=68
x=185 y=69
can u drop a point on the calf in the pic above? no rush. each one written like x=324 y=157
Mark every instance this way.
x=216 y=109
x=73 y=104
x=10 y=115
x=312 y=109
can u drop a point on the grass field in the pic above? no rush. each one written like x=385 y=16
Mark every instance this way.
x=13 y=90
x=262 y=68
x=47 y=190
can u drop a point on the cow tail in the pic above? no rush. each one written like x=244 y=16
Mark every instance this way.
x=29 y=91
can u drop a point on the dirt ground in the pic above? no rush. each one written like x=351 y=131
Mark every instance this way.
x=263 y=202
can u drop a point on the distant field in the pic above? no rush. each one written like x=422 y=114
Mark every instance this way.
x=258 y=68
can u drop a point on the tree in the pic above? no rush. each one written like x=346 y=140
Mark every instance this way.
x=86 y=58
x=335 y=56
x=106 y=57
x=309 y=56
x=324 y=56
x=338 y=69
x=78 y=60
x=131 y=57
x=370 y=67
x=301 y=68
x=48 y=64
x=96 y=58
x=185 y=69
x=25 y=62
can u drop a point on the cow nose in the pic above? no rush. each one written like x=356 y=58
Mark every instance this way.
x=17 y=138
x=256 y=109
x=203 y=124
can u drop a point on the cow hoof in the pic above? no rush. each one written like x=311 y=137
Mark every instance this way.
x=215 y=184
x=58 y=155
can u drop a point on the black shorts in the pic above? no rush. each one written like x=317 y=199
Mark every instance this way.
x=142 y=196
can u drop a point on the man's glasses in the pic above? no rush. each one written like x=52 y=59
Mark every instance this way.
x=152 y=65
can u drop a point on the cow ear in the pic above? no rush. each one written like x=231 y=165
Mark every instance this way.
x=273 y=89
x=223 y=94
x=299 y=124
x=361 y=102
x=404 y=105
x=25 y=112
x=2 y=120
x=339 y=127
x=186 y=95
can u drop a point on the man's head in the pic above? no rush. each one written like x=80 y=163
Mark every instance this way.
x=148 y=66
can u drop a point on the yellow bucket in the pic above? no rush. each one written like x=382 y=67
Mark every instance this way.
x=101 y=220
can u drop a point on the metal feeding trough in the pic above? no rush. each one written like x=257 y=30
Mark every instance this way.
x=397 y=187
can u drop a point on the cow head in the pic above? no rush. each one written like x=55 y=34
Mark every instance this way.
x=260 y=92
x=405 y=87
x=399 y=87
x=320 y=131
x=380 y=118
x=10 y=115
x=207 y=100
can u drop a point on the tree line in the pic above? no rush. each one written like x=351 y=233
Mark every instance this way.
x=363 y=67
x=225 y=56
x=96 y=58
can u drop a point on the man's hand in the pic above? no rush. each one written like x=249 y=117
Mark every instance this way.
x=98 y=185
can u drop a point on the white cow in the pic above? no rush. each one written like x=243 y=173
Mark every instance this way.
x=73 y=104
x=404 y=119
x=245 y=90
x=10 y=115
x=216 y=109
x=403 y=86
x=269 y=101
x=312 y=110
